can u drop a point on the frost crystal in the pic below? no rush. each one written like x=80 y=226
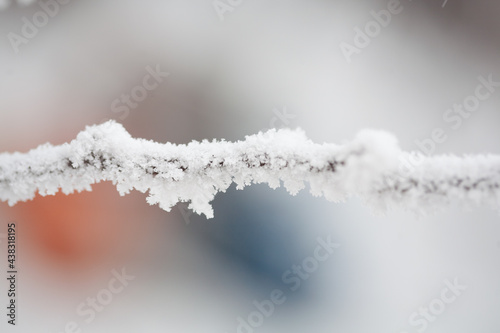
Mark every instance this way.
x=369 y=166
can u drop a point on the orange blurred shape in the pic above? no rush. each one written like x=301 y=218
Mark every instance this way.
x=87 y=228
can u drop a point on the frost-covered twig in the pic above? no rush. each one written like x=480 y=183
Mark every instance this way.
x=369 y=167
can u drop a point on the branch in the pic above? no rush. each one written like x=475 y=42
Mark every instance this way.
x=369 y=167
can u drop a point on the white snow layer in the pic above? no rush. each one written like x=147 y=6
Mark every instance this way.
x=371 y=167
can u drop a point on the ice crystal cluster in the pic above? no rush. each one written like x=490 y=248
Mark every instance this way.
x=369 y=167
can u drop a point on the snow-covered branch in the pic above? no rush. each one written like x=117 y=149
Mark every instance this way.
x=369 y=166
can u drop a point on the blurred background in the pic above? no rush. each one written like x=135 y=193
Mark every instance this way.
x=236 y=68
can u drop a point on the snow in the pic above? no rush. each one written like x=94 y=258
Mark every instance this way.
x=369 y=166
